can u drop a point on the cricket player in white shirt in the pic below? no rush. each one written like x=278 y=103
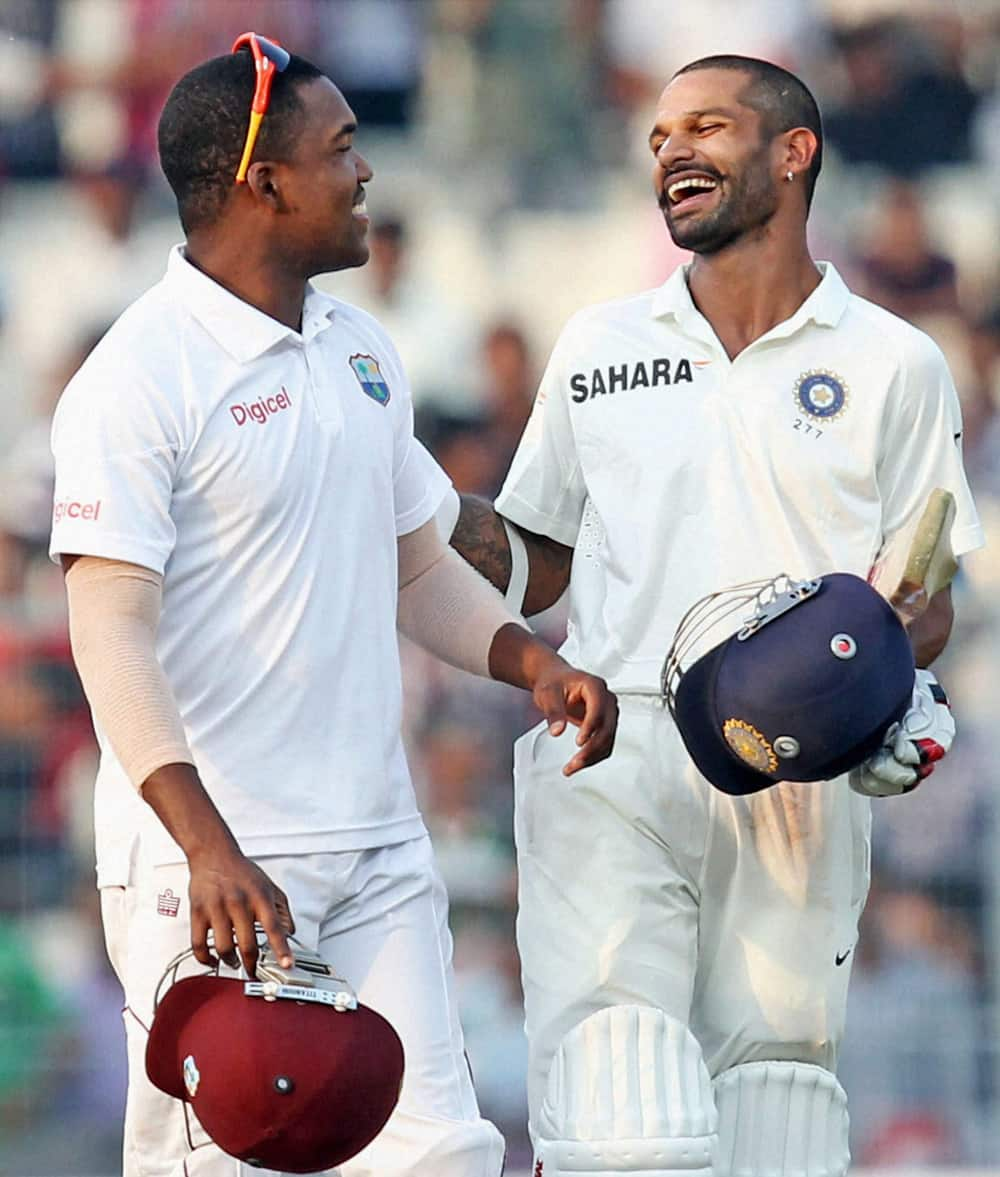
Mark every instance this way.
x=685 y=951
x=243 y=514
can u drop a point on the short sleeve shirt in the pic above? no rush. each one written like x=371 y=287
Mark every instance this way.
x=266 y=473
x=676 y=472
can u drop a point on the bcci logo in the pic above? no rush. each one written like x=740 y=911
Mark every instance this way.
x=370 y=378
x=821 y=394
x=750 y=745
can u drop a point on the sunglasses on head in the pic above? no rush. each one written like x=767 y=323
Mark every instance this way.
x=269 y=59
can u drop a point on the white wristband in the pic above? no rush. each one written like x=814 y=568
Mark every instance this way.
x=518 y=586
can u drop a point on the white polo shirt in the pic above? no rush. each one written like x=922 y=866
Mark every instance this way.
x=266 y=474
x=676 y=472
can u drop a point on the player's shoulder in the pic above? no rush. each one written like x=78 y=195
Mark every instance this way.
x=138 y=351
x=142 y=341
x=913 y=349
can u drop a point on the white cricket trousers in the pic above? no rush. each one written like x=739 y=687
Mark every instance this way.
x=380 y=916
x=641 y=884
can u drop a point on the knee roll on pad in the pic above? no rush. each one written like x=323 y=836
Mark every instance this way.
x=628 y=1092
x=781 y=1119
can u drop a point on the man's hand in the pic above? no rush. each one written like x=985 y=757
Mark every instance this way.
x=564 y=695
x=228 y=892
x=228 y=895
x=912 y=747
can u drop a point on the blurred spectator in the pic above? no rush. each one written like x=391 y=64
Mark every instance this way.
x=510 y=383
x=44 y=723
x=374 y=49
x=536 y=97
x=487 y=971
x=459 y=768
x=909 y=1059
x=77 y=1119
x=980 y=407
x=26 y=483
x=646 y=42
x=940 y=838
x=898 y=267
x=464 y=446
x=44 y=720
x=29 y=138
x=905 y=105
x=114 y=62
x=32 y=1032
x=476 y=448
x=32 y=598
x=76 y=258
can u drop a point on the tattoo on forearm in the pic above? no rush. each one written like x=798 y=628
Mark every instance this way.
x=480 y=538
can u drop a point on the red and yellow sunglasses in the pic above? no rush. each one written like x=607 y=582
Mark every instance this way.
x=269 y=58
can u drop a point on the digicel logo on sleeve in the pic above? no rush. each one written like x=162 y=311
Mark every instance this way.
x=74 y=509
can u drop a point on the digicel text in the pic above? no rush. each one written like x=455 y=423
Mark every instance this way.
x=261 y=409
x=73 y=509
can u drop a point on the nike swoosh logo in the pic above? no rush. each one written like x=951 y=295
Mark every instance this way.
x=839 y=959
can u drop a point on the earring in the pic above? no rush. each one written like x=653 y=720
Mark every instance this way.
x=789 y=176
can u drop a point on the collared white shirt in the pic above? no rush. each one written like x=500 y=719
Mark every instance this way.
x=676 y=472
x=266 y=473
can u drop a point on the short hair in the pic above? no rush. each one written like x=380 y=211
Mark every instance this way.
x=782 y=100
x=203 y=128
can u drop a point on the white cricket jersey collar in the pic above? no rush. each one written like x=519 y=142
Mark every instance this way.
x=239 y=328
x=824 y=307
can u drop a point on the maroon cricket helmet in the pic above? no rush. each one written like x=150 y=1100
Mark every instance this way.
x=281 y=1084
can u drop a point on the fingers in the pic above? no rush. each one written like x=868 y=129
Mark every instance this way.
x=225 y=939
x=246 y=938
x=199 y=937
x=230 y=903
x=270 y=921
x=596 y=737
x=550 y=701
x=584 y=701
x=600 y=712
x=284 y=910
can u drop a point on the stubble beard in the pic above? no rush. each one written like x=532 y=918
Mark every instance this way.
x=750 y=204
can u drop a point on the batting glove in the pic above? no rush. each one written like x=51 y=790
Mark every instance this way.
x=912 y=747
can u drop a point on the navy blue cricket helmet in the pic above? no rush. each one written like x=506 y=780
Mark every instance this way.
x=804 y=691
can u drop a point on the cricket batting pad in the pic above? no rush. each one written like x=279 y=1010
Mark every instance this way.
x=628 y=1093
x=781 y=1119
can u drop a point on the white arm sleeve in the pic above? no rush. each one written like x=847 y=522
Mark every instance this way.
x=114 y=611
x=445 y=606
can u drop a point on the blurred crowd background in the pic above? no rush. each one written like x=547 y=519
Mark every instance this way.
x=512 y=186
